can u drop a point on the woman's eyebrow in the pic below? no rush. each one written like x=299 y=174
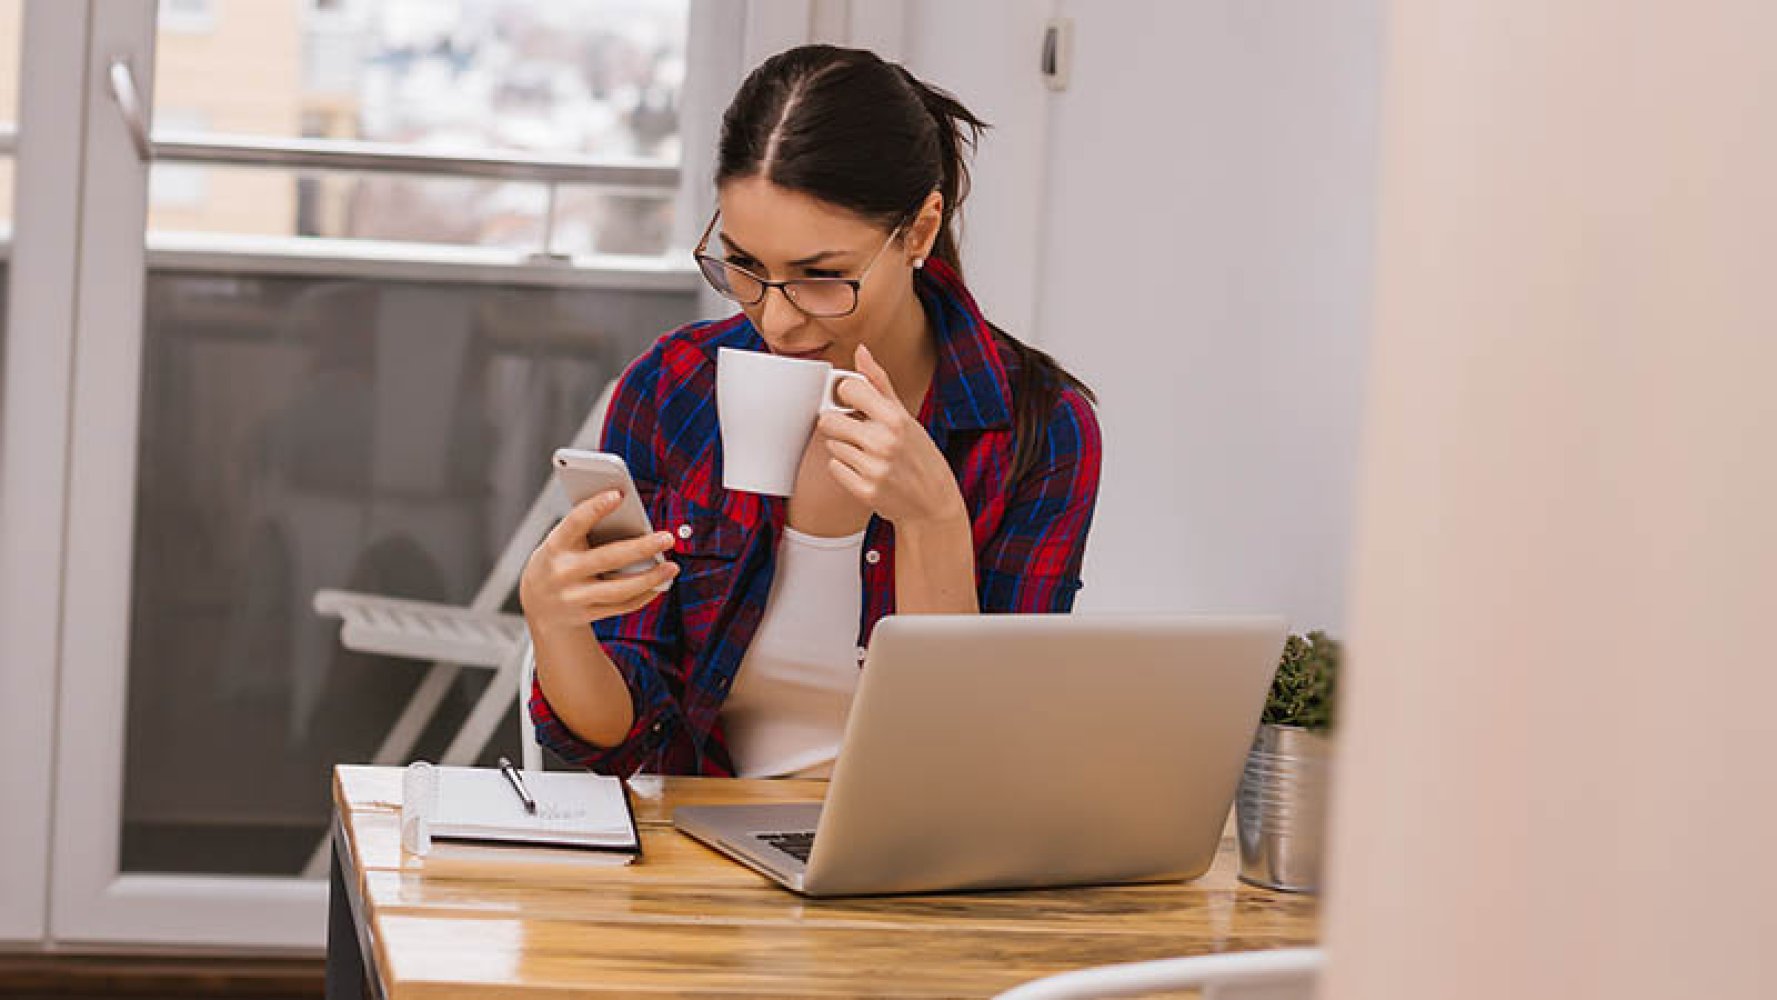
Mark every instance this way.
x=815 y=258
x=733 y=247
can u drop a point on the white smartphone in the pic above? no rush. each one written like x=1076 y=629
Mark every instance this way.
x=586 y=474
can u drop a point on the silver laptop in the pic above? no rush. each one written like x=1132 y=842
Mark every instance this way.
x=1001 y=751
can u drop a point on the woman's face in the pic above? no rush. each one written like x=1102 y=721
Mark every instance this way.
x=780 y=235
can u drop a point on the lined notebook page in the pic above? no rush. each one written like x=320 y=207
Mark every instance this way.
x=572 y=808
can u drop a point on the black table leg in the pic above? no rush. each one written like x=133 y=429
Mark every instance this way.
x=345 y=959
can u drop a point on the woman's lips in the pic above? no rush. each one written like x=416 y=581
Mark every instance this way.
x=808 y=355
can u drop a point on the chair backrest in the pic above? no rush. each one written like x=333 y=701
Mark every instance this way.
x=593 y=427
x=530 y=752
x=1281 y=974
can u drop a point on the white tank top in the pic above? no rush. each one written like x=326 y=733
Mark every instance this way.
x=786 y=712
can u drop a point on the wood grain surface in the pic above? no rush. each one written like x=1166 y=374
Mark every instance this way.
x=685 y=921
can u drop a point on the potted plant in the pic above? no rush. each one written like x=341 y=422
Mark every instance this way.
x=1281 y=808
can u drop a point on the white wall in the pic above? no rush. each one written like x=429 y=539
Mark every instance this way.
x=1202 y=207
x=1188 y=227
x=986 y=53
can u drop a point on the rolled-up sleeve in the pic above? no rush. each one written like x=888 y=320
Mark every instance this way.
x=644 y=644
x=1033 y=561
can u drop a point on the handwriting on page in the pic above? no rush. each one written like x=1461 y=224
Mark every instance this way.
x=556 y=813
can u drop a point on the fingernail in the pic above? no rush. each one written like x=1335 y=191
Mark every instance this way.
x=610 y=496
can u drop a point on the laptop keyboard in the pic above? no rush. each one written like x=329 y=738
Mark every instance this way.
x=796 y=843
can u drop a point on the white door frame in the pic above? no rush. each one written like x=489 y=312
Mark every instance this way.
x=33 y=451
x=91 y=900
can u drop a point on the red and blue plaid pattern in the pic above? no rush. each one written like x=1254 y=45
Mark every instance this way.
x=680 y=654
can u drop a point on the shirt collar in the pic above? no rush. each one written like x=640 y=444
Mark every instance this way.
x=970 y=388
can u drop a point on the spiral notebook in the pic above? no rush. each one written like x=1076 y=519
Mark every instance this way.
x=574 y=809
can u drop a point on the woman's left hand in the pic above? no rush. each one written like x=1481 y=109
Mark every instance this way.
x=886 y=459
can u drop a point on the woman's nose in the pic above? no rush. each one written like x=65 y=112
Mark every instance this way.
x=777 y=314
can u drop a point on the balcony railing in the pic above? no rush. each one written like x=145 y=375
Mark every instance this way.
x=369 y=258
x=633 y=175
x=622 y=175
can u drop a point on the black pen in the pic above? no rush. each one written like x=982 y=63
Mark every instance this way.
x=517 y=783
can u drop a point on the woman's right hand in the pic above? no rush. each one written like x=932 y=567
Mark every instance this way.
x=561 y=586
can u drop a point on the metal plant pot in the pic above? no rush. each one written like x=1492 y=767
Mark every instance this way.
x=1281 y=810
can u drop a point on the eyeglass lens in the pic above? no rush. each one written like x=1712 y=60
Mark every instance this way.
x=815 y=296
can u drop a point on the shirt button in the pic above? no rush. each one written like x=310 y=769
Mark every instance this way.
x=684 y=531
x=872 y=557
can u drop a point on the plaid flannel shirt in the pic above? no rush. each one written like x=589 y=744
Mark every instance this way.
x=680 y=654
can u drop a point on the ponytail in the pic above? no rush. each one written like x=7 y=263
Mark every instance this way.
x=1040 y=380
x=956 y=127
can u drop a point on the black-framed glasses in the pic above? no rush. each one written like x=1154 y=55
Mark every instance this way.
x=825 y=298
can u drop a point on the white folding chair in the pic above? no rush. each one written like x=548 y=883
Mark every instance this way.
x=452 y=637
x=1281 y=974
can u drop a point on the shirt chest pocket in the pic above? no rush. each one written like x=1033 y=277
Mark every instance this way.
x=708 y=546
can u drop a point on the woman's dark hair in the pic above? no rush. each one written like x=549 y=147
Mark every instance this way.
x=852 y=130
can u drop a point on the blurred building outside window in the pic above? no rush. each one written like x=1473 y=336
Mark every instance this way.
x=525 y=78
x=187 y=15
x=180 y=185
x=11 y=24
x=12 y=14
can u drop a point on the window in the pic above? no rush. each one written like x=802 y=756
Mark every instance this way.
x=587 y=80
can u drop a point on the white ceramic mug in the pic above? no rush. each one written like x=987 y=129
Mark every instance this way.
x=767 y=407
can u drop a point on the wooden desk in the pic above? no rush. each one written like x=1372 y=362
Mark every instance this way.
x=685 y=920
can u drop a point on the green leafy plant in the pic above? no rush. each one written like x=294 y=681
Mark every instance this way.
x=1302 y=691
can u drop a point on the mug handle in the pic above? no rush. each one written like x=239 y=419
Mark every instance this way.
x=829 y=400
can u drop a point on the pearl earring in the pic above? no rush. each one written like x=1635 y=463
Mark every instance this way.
x=918 y=262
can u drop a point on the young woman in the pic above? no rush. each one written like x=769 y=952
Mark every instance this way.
x=965 y=483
